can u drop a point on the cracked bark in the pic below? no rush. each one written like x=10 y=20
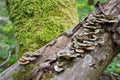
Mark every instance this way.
x=88 y=68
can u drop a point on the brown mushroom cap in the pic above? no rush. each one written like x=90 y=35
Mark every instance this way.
x=23 y=63
x=29 y=58
x=90 y=48
x=22 y=60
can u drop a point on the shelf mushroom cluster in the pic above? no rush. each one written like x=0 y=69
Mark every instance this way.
x=28 y=57
x=87 y=40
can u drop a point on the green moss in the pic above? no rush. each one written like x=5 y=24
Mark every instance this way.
x=39 y=21
x=48 y=76
x=25 y=74
x=22 y=75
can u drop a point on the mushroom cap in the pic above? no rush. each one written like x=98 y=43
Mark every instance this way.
x=29 y=58
x=58 y=69
x=90 y=48
x=23 y=63
x=79 y=50
x=22 y=60
x=67 y=54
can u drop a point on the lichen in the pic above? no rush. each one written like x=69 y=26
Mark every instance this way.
x=39 y=21
x=25 y=74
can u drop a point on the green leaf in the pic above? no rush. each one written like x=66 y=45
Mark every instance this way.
x=1 y=70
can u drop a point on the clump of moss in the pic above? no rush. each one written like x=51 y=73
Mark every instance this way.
x=25 y=74
x=39 y=21
x=48 y=76
x=22 y=75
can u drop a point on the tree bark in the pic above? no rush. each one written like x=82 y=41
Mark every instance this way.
x=88 y=67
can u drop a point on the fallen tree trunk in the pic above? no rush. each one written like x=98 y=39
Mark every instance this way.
x=87 y=66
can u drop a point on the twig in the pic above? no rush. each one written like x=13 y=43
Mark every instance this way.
x=6 y=59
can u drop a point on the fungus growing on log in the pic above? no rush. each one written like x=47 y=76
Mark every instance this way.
x=80 y=44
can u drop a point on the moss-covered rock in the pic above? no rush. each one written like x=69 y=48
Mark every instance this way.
x=39 y=21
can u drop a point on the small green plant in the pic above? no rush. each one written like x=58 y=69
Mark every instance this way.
x=114 y=66
x=83 y=8
x=7 y=45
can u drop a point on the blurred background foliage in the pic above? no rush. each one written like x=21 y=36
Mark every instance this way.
x=7 y=40
x=8 y=43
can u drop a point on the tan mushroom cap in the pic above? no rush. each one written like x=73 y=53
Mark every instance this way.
x=26 y=62
x=58 y=69
x=79 y=50
x=90 y=48
x=29 y=58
